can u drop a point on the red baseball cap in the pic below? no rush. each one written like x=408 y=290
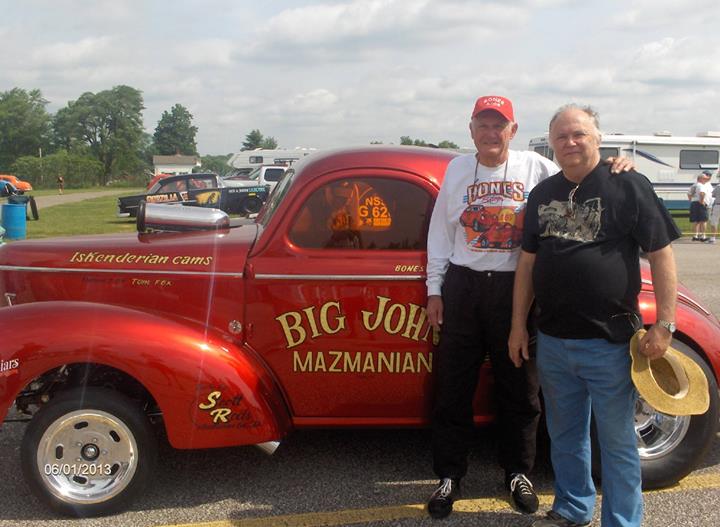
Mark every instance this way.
x=501 y=105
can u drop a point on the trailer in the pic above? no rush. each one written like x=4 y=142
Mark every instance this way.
x=671 y=163
x=243 y=162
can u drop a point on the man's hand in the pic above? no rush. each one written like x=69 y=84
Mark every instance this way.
x=435 y=311
x=620 y=164
x=518 y=345
x=655 y=342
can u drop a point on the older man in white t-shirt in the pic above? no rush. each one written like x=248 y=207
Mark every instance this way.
x=700 y=196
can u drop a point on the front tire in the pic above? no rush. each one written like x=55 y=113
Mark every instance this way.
x=88 y=452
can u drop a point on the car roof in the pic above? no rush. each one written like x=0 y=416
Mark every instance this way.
x=429 y=163
x=185 y=176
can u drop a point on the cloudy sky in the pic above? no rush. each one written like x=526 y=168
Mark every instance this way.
x=343 y=72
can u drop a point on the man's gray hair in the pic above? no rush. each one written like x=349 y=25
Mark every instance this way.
x=594 y=116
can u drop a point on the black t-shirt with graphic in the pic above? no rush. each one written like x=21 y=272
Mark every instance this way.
x=587 y=238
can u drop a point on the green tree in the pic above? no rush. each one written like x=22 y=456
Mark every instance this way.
x=269 y=143
x=24 y=125
x=255 y=139
x=175 y=133
x=216 y=164
x=77 y=170
x=447 y=144
x=110 y=124
x=409 y=141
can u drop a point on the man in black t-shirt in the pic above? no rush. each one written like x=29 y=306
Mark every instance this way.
x=582 y=234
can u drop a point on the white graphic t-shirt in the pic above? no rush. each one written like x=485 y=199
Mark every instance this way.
x=478 y=217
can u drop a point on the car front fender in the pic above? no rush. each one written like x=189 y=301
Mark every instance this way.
x=211 y=392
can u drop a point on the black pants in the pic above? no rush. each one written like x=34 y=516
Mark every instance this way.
x=477 y=308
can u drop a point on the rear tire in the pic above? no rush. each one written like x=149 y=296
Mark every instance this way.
x=671 y=446
x=251 y=205
x=88 y=452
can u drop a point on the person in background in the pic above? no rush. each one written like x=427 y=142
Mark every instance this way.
x=61 y=184
x=473 y=245
x=715 y=212
x=579 y=261
x=700 y=195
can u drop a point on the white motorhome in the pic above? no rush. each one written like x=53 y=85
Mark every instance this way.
x=671 y=163
x=243 y=162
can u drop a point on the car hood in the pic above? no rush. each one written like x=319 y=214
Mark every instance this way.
x=51 y=269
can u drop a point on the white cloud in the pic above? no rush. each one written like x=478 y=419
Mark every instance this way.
x=359 y=29
x=333 y=72
x=91 y=50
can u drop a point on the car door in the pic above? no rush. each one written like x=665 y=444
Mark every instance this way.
x=335 y=303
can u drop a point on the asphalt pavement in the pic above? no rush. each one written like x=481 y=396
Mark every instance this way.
x=59 y=199
x=356 y=477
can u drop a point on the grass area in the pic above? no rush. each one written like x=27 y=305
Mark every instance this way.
x=92 y=216
x=682 y=221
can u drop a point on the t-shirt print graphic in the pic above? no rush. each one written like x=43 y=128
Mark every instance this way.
x=491 y=227
x=579 y=222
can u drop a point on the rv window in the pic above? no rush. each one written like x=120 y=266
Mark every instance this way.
x=545 y=151
x=608 y=151
x=698 y=158
x=274 y=174
x=255 y=159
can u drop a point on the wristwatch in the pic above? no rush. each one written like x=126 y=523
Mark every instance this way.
x=670 y=326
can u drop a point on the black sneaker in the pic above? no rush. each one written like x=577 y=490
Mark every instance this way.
x=523 y=494
x=696 y=238
x=441 y=501
x=553 y=519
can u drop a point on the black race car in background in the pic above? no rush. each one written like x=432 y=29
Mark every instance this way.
x=199 y=190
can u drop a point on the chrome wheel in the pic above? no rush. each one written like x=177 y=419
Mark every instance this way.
x=657 y=433
x=87 y=456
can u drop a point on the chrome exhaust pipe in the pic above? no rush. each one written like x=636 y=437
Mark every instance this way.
x=269 y=447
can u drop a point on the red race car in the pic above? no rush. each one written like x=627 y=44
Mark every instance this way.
x=223 y=332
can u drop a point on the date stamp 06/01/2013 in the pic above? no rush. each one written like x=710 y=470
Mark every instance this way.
x=78 y=469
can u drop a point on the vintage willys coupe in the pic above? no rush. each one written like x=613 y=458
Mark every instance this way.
x=223 y=333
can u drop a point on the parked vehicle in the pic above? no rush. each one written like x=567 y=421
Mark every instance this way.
x=671 y=163
x=237 y=332
x=247 y=160
x=265 y=175
x=23 y=186
x=18 y=197
x=156 y=178
x=199 y=190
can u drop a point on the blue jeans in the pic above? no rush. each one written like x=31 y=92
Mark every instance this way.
x=577 y=375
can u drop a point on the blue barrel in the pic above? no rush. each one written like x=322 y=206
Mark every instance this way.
x=13 y=220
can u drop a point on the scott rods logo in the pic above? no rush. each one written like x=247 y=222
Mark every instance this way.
x=225 y=412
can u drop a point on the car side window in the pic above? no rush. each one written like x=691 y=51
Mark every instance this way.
x=274 y=174
x=178 y=185
x=200 y=182
x=364 y=213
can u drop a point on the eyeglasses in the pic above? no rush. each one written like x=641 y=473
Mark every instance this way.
x=571 y=200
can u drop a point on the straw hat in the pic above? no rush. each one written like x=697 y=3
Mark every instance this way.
x=673 y=384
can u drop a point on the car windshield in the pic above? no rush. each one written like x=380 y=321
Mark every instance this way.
x=255 y=174
x=276 y=198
